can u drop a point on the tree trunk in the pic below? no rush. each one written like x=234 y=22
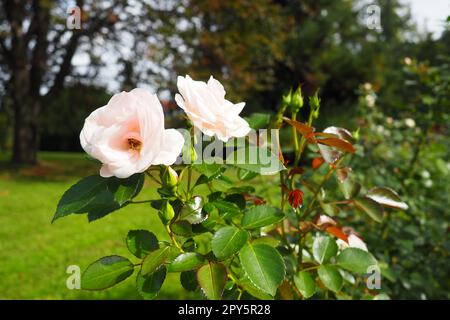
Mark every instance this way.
x=27 y=72
x=26 y=132
x=26 y=109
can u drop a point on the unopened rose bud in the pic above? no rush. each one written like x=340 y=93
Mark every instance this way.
x=166 y=212
x=297 y=100
x=314 y=103
x=169 y=177
x=286 y=99
x=295 y=198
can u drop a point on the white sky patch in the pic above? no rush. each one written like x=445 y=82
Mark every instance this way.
x=430 y=15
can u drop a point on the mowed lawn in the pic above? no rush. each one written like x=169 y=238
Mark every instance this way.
x=34 y=254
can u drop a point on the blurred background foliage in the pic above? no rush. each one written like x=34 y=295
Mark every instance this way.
x=390 y=84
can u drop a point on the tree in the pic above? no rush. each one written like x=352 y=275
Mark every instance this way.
x=37 y=49
x=261 y=48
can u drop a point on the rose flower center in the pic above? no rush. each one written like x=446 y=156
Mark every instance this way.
x=134 y=144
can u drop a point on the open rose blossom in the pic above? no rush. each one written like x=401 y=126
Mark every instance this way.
x=209 y=111
x=128 y=136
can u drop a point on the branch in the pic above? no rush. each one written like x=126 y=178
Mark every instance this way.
x=65 y=66
x=41 y=20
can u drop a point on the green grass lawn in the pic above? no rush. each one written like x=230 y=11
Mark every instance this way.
x=34 y=253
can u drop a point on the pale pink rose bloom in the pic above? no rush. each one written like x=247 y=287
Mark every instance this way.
x=209 y=111
x=353 y=242
x=128 y=135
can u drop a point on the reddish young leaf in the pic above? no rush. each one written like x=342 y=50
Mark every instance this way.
x=304 y=129
x=337 y=232
x=255 y=199
x=338 y=143
x=317 y=163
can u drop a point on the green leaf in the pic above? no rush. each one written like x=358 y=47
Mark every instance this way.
x=330 y=277
x=212 y=278
x=261 y=216
x=349 y=188
x=155 y=259
x=188 y=280
x=149 y=285
x=98 y=196
x=79 y=196
x=372 y=208
x=386 y=197
x=253 y=290
x=186 y=261
x=126 y=189
x=222 y=183
x=246 y=175
x=330 y=209
x=227 y=209
x=356 y=260
x=238 y=199
x=210 y=170
x=258 y=120
x=202 y=179
x=103 y=204
x=227 y=241
x=203 y=243
x=270 y=241
x=141 y=242
x=264 y=266
x=254 y=159
x=106 y=272
x=324 y=248
x=192 y=211
x=305 y=284
x=182 y=228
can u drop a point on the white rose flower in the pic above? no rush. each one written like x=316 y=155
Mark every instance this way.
x=128 y=135
x=209 y=111
x=410 y=122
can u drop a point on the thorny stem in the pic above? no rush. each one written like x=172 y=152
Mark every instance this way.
x=172 y=237
x=283 y=201
x=239 y=288
x=303 y=139
x=330 y=172
x=296 y=145
x=189 y=181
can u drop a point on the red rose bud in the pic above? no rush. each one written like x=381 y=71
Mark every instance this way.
x=295 y=198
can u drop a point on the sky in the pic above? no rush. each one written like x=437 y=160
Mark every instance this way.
x=430 y=14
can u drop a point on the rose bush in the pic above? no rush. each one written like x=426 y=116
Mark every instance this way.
x=226 y=239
